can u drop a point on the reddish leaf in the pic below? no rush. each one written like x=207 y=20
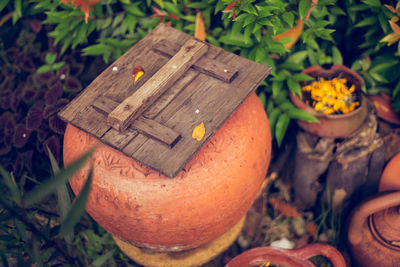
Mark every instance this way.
x=21 y=135
x=284 y=208
x=34 y=118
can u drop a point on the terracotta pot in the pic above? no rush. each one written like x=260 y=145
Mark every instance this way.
x=337 y=126
x=208 y=197
x=383 y=105
x=287 y=258
x=374 y=231
x=390 y=178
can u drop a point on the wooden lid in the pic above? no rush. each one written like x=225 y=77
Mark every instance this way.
x=185 y=83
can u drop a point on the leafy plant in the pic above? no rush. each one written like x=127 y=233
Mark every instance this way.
x=50 y=65
x=48 y=236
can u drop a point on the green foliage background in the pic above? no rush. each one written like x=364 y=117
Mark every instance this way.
x=336 y=32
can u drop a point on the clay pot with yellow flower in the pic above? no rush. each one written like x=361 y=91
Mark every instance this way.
x=152 y=216
x=335 y=99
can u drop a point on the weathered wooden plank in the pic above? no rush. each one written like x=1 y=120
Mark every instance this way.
x=119 y=140
x=178 y=96
x=116 y=80
x=205 y=65
x=168 y=96
x=222 y=100
x=91 y=121
x=156 y=130
x=144 y=125
x=134 y=105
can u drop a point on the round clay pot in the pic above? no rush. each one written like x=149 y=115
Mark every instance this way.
x=374 y=231
x=336 y=126
x=390 y=178
x=207 y=198
x=269 y=256
x=383 y=105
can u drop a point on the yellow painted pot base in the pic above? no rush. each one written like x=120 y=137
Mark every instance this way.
x=189 y=258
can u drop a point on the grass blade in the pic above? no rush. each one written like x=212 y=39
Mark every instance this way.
x=77 y=210
x=51 y=184
x=12 y=186
x=64 y=200
x=103 y=258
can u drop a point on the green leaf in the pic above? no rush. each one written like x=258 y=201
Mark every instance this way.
x=263 y=98
x=97 y=49
x=52 y=184
x=382 y=67
x=77 y=210
x=297 y=57
x=18 y=8
x=3 y=4
x=272 y=118
x=58 y=65
x=336 y=56
x=300 y=77
x=64 y=200
x=288 y=17
x=337 y=11
x=368 y=21
x=43 y=69
x=276 y=87
x=173 y=9
x=396 y=90
x=378 y=77
x=300 y=114
x=103 y=258
x=285 y=106
x=304 y=6
x=260 y=54
x=117 y=20
x=12 y=186
x=281 y=127
x=134 y=10
x=372 y=3
x=294 y=86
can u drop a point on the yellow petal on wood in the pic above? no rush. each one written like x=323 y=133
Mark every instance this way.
x=199 y=31
x=199 y=131
x=293 y=33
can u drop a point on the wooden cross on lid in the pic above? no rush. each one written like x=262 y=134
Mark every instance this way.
x=185 y=83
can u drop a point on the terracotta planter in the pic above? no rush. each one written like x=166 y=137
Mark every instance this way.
x=383 y=105
x=287 y=258
x=390 y=178
x=337 y=126
x=374 y=231
x=207 y=198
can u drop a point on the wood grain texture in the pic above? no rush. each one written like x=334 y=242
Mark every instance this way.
x=143 y=125
x=197 y=96
x=133 y=106
x=205 y=65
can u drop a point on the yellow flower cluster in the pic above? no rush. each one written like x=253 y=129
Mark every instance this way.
x=331 y=96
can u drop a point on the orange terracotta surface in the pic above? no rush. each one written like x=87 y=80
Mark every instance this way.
x=390 y=178
x=208 y=197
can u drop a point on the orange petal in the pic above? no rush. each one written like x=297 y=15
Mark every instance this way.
x=199 y=31
x=137 y=73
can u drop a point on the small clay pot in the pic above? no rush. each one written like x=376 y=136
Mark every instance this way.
x=207 y=198
x=374 y=231
x=336 y=126
x=390 y=178
x=287 y=258
x=383 y=105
